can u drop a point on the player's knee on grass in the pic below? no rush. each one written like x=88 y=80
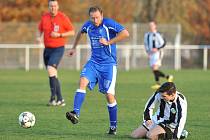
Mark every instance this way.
x=138 y=133
x=134 y=135
x=151 y=135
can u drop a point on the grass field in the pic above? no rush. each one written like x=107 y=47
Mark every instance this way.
x=28 y=91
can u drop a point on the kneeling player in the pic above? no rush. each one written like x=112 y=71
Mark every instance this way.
x=169 y=120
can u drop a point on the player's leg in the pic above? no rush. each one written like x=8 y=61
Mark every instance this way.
x=140 y=132
x=156 y=77
x=80 y=95
x=112 y=109
x=156 y=63
x=155 y=133
x=79 y=98
x=153 y=64
x=54 y=60
x=107 y=82
x=51 y=75
x=87 y=78
x=158 y=74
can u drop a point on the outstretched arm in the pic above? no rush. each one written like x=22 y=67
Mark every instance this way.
x=76 y=41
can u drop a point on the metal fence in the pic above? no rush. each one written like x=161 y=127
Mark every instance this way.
x=27 y=56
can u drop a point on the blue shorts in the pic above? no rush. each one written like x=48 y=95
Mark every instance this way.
x=52 y=56
x=104 y=75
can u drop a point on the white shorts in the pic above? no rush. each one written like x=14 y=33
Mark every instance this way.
x=155 y=58
x=154 y=123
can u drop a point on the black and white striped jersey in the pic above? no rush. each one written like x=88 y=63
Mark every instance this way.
x=173 y=113
x=153 y=40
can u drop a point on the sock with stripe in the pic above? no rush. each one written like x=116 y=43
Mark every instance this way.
x=112 y=108
x=78 y=100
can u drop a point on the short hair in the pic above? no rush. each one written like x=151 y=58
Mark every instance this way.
x=94 y=9
x=153 y=21
x=51 y=0
x=168 y=87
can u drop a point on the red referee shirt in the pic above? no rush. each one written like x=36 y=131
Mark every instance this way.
x=60 y=23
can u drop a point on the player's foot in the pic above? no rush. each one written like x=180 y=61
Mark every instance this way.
x=61 y=103
x=73 y=117
x=52 y=103
x=184 y=134
x=112 y=131
x=156 y=86
x=170 y=78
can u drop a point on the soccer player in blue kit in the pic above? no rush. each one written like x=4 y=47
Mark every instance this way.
x=101 y=67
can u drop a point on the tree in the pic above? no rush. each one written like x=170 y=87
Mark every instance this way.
x=193 y=15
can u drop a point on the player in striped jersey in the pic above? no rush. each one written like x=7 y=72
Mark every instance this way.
x=169 y=120
x=154 y=42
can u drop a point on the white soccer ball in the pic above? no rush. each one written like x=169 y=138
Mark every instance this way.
x=26 y=119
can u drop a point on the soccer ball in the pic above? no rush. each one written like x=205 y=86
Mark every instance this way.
x=26 y=119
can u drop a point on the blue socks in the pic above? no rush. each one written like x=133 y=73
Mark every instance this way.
x=112 y=108
x=78 y=100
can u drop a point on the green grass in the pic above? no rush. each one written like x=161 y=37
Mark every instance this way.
x=29 y=91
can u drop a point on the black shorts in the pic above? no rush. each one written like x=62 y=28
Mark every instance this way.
x=52 y=56
x=169 y=132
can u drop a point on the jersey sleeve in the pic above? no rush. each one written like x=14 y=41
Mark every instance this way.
x=40 y=25
x=146 y=40
x=182 y=116
x=161 y=41
x=150 y=106
x=85 y=27
x=112 y=24
x=68 y=24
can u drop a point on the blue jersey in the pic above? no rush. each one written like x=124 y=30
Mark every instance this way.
x=108 y=29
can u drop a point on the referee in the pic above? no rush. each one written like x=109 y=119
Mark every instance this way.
x=55 y=27
x=154 y=42
x=169 y=120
